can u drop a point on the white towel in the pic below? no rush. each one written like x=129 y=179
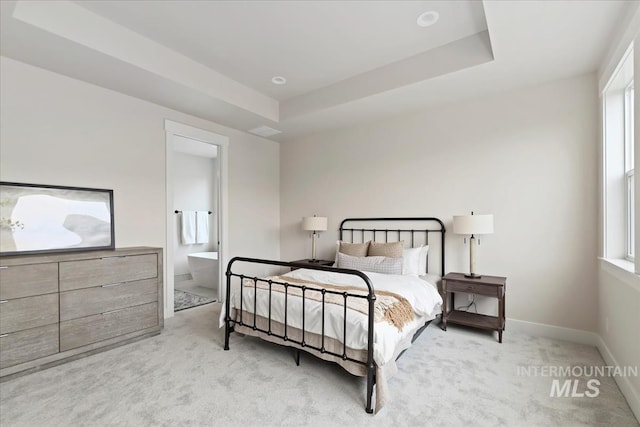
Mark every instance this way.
x=202 y=227
x=188 y=226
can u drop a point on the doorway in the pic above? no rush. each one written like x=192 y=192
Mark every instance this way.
x=196 y=232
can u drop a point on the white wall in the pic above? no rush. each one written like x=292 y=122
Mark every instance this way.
x=58 y=130
x=619 y=308
x=195 y=189
x=527 y=156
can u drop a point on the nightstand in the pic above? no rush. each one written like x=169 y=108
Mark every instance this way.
x=490 y=286
x=322 y=262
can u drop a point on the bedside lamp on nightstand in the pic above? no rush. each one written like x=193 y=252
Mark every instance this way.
x=473 y=224
x=315 y=224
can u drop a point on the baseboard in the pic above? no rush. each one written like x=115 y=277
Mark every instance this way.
x=627 y=389
x=556 y=332
x=182 y=277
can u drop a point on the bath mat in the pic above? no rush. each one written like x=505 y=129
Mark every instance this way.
x=183 y=300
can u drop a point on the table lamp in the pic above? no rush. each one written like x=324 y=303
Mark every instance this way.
x=473 y=225
x=315 y=224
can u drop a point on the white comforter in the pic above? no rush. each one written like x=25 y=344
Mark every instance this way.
x=420 y=292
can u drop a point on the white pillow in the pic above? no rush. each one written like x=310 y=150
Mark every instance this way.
x=374 y=264
x=414 y=261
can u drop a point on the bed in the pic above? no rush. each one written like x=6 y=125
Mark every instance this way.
x=362 y=320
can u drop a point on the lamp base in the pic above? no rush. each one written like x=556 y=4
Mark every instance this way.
x=473 y=276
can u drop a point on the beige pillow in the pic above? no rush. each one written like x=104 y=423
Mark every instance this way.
x=389 y=250
x=353 y=249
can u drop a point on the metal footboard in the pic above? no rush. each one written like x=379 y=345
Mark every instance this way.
x=302 y=344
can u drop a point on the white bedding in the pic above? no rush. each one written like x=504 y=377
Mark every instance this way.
x=420 y=292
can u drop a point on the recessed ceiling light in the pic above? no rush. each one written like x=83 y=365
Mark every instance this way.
x=278 y=80
x=427 y=19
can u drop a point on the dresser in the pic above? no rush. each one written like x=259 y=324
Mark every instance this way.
x=59 y=307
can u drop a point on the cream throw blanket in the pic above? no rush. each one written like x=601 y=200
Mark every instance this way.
x=389 y=306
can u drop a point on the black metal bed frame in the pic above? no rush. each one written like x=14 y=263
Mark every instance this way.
x=441 y=230
x=369 y=365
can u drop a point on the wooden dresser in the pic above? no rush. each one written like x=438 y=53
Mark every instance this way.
x=59 y=307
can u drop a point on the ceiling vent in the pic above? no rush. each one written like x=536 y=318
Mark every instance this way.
x=264 y=131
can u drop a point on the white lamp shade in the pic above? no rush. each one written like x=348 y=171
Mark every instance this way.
x=314 y=223
x=473 y=224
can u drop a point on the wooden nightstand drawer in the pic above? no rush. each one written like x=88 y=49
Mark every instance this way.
x=473 y=288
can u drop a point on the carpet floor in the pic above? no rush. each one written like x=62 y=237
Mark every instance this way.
x=183 y=377
x=183 y=300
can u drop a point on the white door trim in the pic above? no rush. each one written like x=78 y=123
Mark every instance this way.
x=178 y=129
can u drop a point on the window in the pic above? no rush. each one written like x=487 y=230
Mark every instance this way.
x=618 y=162
x=628 y=166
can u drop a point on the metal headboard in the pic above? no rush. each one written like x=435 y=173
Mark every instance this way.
x=427 y=225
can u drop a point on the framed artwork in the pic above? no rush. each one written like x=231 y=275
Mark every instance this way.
x=50 y=218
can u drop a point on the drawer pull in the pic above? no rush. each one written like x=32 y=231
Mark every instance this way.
x=3 y=268
x=113 y=311
x=4 y=335
x=114 y=257
x=111 y=285
x=3 y=301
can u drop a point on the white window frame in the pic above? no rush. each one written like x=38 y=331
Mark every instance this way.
x=617 y=167
x=629 y=171
x=630 y=231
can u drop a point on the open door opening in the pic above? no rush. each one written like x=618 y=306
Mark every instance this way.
x=196 y=232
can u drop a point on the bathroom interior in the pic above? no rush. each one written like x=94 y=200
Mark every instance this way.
x=196 y=207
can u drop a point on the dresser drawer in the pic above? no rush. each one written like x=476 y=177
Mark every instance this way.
x=30 y=344
x=114 y=269
x=475 y=288
x=30 y=312
x=21 y=281
x=100 y=299
x=87 y=330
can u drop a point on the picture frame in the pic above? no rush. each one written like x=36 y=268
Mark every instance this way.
x=38 y=219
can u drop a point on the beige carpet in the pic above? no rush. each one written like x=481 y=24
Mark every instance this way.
x=184 y=378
